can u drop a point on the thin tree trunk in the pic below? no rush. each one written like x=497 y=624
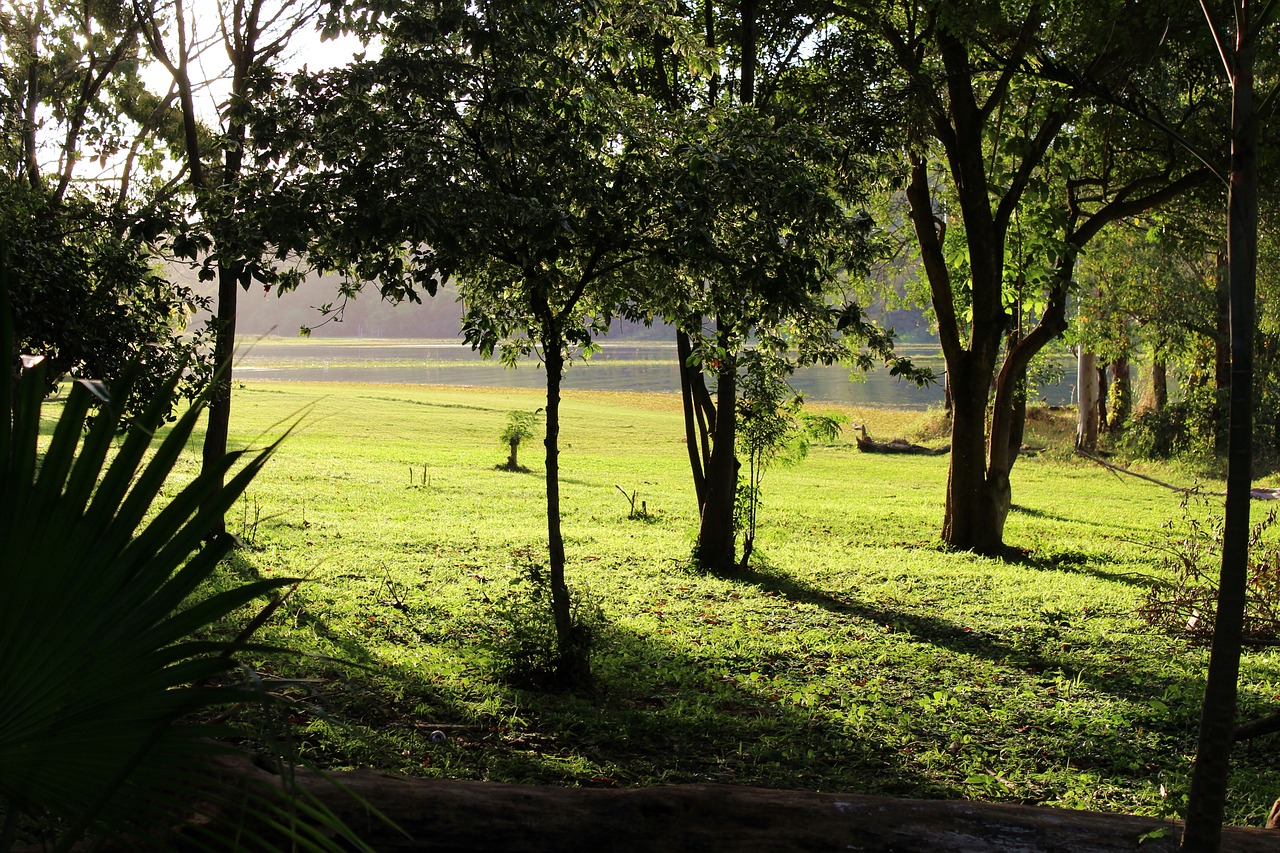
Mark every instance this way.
x=218 y=427
x=1121 y=394
x=1206 y=804
x=1102 y=396
x=697 y=439
x=572 y=660
x=31 y=112
x=1222 y=354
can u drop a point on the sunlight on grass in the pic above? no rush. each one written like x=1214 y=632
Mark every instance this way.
x=856 y=655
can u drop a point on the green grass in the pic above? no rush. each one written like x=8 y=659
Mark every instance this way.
x=856 y=655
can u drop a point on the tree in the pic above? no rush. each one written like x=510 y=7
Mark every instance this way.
x=519 y=428
x=91 y=301
x=491 y=144
x=240 y=242
x=769 y=221
x=760 y=244
x=1002 y=202
x=1237 y=48
x=1146 y=286
x=83 y=203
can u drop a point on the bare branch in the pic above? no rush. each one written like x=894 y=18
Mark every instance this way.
x=1217 y=40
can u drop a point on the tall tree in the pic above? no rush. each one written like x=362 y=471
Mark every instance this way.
x=217 y=154
x=83 y=196
x=492 y=144
x=993 y=146
x=1237 y=44
x=775 y=224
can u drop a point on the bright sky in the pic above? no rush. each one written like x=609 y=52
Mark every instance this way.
x=212 y=66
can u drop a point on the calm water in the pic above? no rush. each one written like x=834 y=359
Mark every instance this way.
x=617 y=367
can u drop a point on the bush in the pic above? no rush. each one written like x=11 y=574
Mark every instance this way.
x=105 y=629
x=1185 y=601
x=1160 y=434
x=521 y=629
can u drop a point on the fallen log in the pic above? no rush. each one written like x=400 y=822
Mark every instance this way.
x=898 y=445
x=453 y=816
x=475 y=817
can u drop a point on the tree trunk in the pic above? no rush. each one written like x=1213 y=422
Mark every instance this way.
x=1206 y=803
x=1222 y=354
x=974 y=520
x=572 y=662
x=214 y=448
x=1159 y=385
x=699 y=418
x=1086 y=400
x=1102 y=397
x=1121 y=394
x=715 y=548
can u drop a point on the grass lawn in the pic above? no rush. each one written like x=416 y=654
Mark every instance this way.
x=855 y=655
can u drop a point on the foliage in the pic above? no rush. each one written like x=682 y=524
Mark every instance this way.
x=1158 y=433
x=519 y=428
x=520 y=629
x=90 y=300
x=1183 y=598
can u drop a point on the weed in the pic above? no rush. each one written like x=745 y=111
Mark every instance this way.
x=521 y=635
x=1187 y=600
x=642 y=513
x=422 y=482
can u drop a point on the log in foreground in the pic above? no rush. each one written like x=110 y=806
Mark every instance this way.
x=449 y=815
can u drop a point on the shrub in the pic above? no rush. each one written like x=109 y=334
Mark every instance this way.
x=1160 y=434
x=1185 y=600
x=105 y=629
x=521 y=629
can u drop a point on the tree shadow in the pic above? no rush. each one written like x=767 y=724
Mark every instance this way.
x=1038 y=651
x=1075 y=562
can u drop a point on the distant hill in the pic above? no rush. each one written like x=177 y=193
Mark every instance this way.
x=438 y=317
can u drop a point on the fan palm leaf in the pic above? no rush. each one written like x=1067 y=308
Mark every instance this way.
x=105 y=647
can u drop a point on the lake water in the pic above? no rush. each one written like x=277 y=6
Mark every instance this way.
x=649 y=367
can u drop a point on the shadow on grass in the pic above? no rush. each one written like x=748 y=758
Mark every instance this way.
x=1075 y=562
x=656 y=714
x=1038 y=650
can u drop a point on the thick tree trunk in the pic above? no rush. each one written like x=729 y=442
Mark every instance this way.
x=974 y=518
x=1159 y=385
x=1086 y=400
x=572 y=662
x=1206 y=803
x=715 y=548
